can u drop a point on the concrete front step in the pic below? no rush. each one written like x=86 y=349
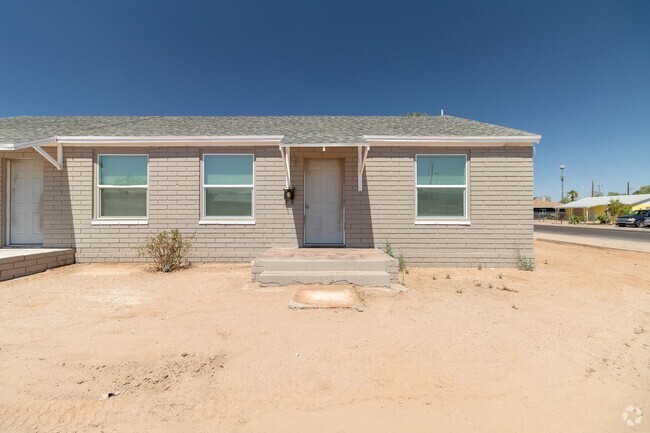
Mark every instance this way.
x=360 y=278
x=301 y=265
x=361 y=266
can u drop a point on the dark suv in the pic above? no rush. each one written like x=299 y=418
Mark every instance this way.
x=635 y=218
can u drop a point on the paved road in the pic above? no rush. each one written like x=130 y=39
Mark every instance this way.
x=614 y=233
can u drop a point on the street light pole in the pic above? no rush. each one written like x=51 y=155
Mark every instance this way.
x=562 y=181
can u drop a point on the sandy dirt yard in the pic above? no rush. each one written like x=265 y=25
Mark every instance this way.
x=563 y=349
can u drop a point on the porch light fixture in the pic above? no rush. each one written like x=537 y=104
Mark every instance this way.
x=289 y=194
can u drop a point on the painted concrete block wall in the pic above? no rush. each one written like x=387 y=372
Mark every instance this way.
x=500 y=186
x=500 y=189
x=173 y=202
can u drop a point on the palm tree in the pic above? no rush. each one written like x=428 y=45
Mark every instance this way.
x=573 y=195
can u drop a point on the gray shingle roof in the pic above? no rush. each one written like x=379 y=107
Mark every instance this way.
x=296 y=129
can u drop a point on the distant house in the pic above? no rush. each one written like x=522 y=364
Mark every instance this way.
x=593 y=207
x=544 y=209
x=435 y=187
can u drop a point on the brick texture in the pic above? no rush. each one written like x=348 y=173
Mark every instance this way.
x=500 y=191
x=27 y=264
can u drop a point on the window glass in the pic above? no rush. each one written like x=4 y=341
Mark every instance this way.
x=228 y=186
x=229 y=202
x=441 y=183
x=122 y=186
x=123 y=202
x=441 y=202
x=228 y=170
x=441 y=170
x=122 y=170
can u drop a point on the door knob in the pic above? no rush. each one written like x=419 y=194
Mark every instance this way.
x=306 y=206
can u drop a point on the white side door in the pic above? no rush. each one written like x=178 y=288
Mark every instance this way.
x=25 y=202
x=324 y=202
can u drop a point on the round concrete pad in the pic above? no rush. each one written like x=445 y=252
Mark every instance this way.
x=325 y=297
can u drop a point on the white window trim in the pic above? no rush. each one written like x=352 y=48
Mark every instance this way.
x=442 y=220
x=118 y=220
x=226 y=220
x=122 y=222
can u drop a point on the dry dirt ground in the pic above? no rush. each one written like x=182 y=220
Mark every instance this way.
x=563 y=349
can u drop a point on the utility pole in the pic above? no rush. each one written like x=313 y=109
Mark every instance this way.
x=628 y=187
x=592 y=187
x=562 y=181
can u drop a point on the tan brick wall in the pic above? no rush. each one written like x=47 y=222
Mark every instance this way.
x=501 y=187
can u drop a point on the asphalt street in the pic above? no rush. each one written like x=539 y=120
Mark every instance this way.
x=613 y=233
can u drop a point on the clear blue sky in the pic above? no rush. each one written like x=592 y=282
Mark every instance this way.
x=577 y=72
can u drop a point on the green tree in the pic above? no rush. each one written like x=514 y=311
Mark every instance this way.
x=573 y=195
x=565 y=200
x=613 y=193
x=645 y=189
x=616 y=208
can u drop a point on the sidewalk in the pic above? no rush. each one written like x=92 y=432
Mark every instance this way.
x=589 y=225
x=594 y=242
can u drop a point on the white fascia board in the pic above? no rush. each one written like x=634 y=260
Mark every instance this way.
x=239 y=140
x=50 y=141
x=452 y=140
x=326 y=145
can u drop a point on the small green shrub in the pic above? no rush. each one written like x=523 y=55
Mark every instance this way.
x=401 y=260
x=524 y=263
x=402 y=267
x=168 y=250
x=603 y=219
x=574 y=219
x=402 y=264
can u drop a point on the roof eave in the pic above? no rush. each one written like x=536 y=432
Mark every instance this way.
x=125 y=141
x=525 y=140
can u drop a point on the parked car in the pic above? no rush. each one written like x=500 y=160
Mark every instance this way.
x=647 y=222
x=635 y=218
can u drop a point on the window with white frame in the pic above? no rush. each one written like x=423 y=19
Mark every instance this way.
x=122 y=181
x=441 y=186
x=228 y=186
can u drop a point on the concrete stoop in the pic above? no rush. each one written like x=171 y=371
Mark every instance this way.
x=359 y=266
x=19 y=262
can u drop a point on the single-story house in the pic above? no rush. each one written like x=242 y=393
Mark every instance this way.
x=443 y=190
x=597 y=206
x=543 y=209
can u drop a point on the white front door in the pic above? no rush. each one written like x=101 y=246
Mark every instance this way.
x=324 y=201
x=25 y=205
